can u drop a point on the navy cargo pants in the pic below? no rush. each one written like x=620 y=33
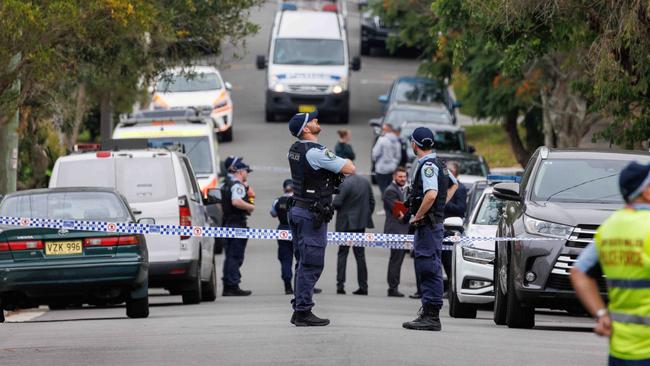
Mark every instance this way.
x=285 y=256
x=309 y=243
x=428 y=265
x=234 y=258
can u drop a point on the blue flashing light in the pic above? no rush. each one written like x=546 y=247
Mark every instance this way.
x=503 y=178
x=289 y=7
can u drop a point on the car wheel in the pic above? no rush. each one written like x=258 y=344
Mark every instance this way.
x=227 y=136
x=57 y=306
x=344 y=117
x=209 y=291
x=499 y=297
x=270 y=116
x=218 y=245
x=137 y=308
x=192 y=293
x=518 y=315
x=456 y=308
x=2 y=315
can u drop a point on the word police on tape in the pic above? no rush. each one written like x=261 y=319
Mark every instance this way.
x=391 y=241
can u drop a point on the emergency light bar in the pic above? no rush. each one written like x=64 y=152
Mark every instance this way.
x=503 y=178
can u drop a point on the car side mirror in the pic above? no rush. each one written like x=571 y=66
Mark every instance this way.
x=375 y=122
x=383 y=99
x=453 y=222
x=507 y=191
x=261 y=62
x=228 y=86
x=213 y=197
x=147 y=221
x=471 y=149
x=355 y=65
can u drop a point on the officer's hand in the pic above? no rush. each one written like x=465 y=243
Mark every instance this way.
x=604 y=326
x=414 y=219
x=251 y=192
x=400 y=216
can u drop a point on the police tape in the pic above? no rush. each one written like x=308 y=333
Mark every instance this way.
x=390 y=241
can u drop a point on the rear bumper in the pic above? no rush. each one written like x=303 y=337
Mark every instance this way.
x=326 y=104
x=172 y=274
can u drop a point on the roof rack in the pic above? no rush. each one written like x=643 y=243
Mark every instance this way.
x=191 y=115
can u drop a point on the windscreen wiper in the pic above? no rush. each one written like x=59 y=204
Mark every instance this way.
x=578 y=185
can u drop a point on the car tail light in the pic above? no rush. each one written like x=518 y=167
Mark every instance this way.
x=4 y=247
x=25 y=245
x=103 y=154
x=111 y=241
x=184 y=214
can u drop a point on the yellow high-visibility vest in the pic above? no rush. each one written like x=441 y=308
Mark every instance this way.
x=623 y=243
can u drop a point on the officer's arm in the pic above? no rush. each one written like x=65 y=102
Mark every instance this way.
x=274 y=212
x=453 y=186
x=427 y=202
x=243 y=205
x=324 y=159
x=237 y=195
x=348 y=168
x=586 y=287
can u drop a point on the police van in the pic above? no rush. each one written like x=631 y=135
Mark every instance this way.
x=308 y=65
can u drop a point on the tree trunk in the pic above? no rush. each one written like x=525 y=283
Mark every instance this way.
x=106 y=117
x=79 y=112
x=510 y=125
x=9 y=154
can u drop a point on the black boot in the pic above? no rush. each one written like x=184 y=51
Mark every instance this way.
x=287 y=288
x=394 y=293
x=308 y=319
x=428 y=319
x=235 y=291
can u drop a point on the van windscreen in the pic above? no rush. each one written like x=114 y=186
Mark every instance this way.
x=149 y=179
x=289 y=51
x=196 y=148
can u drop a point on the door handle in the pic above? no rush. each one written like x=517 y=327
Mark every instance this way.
x=136 y=212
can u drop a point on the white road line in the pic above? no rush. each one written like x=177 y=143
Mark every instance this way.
x=23 y=315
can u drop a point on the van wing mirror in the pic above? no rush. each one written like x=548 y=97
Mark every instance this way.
x=228 y=86
x=507 y=191
x=383 y=99
x=213 y=197
x=261 y=62
x=355 y=64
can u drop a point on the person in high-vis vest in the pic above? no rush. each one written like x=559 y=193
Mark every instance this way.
x=621 y=251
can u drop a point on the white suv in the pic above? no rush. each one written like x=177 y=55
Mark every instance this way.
x=158 y=184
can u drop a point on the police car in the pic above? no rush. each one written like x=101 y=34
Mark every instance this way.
x=472 y=263
x=199 y=87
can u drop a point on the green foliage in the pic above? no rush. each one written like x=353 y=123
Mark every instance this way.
x=491 y=141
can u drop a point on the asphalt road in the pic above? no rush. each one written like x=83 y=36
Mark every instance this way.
x=256 y=330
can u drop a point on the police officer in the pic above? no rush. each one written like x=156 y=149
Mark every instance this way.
x=432 y=187
x=237 y=205
x=315 y=172
x=229 y=164
x=621 y=251
x=280 y=209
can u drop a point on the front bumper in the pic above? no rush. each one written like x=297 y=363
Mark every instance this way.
x=552 y=286
x=289 y=103
x=467 y=271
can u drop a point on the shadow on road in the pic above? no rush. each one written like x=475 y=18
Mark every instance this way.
x=560 y=328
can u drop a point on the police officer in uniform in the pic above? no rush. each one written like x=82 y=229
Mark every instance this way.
x=280 y=209
x=621 y=251
x=431 y=188
x=237 y=205
x=315 y=172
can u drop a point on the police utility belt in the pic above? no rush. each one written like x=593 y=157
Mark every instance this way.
x=323 y=212
x=413 y=204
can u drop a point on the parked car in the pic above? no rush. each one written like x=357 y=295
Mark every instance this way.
x=563 y=197
x=180 y=127
x=374 y=32
x=420 y=91
x=472 y=264
x=199 y=87
x=160 y=184
x=308 y=66
x=61 y=267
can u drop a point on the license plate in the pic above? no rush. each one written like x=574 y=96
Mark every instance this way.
x=306 y=108
x=63 y=247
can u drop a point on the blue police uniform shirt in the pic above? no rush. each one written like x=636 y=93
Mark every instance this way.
x=322 y=158
x=273 y=211
x=237 y=191
x=429 y=173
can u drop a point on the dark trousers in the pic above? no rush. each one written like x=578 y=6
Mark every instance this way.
x=234 y=258
x=445 y=258
x=309 y=243
x=428 y=266
x=395 y=267
x=341 y=264
x=383 y=181
x=613 y=361
x=285 y=256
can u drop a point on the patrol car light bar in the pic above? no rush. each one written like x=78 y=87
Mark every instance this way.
x=503 y=178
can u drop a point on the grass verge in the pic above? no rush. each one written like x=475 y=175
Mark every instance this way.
x=492 y=142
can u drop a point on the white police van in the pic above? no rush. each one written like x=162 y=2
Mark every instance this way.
x=308 y=65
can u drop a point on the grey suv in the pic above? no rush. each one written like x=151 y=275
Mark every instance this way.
x=563 y=197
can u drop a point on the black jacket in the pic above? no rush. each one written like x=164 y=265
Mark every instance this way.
x=392 y=225
x=354 y=204
x=457 y=205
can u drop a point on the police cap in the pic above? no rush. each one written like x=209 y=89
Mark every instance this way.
x=240 y=165
x=299 y=121
x=423 y=137
x=287 y=183
x=633 y=180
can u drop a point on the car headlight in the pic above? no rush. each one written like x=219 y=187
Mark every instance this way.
x=278 y=88
x=220 y=104
x=478 y=255
x=545 y=228
x=337 y=89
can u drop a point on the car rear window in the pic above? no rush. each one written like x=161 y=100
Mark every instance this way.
x=189 y=83
x=93 y=206
x=145 y=179
x=86 y=173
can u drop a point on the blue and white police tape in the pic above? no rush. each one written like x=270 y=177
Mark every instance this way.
x=391 y=241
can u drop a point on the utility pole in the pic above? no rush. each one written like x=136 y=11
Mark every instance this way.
x=9 y=142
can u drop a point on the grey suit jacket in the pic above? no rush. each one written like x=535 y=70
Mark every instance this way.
x=354 y=204
x=392 y=225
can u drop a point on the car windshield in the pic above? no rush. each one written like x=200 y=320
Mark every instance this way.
x=399 y=116
x=196 y=148
x=443 y=140
x=472 y=167
x=94 y=206
x=290 y=51
x=585 y=180
x=422 y=92
x=189 y=83
x=490 y=211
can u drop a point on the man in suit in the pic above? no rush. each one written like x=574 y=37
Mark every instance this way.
x=354 y=204
x=456 y=207
x=395 y=224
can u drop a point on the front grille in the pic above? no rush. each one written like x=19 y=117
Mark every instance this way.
x=582 y=236
x=559 y=277
x=310 y=101
x=309 y=89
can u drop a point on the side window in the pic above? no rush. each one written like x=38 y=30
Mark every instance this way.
x=190 y=179
x=528 y=172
